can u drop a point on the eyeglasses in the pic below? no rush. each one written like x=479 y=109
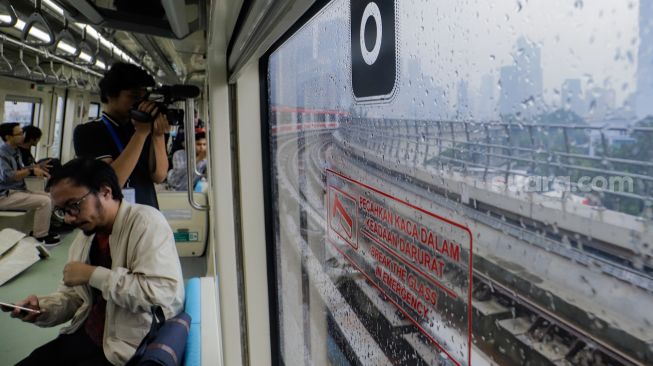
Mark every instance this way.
x=71 y=209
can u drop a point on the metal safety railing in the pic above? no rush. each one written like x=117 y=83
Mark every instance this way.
x=590 y=160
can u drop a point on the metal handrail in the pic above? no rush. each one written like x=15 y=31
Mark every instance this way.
x=84 y=46
x=53 y=74
x=65 y=35
x=415 y=138
x=502 y=148
x=22 y=63
x=3 y=57
x=189 y=125
x=37 y=18
x=42 y=52
x=13 y=18
x=38 y=70
x=62 y=77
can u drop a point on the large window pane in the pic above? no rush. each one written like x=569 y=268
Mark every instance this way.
x=58 y=128
x=94 y=110
x=21 y=112
x=492 y=206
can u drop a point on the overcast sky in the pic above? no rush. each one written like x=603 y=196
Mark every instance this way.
x=593 y=40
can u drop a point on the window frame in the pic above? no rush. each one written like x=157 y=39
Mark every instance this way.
x=271 y=220
x=36 y=107
x=99 y=109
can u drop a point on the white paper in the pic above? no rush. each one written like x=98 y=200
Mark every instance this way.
x=9 y=238
x=17 y=259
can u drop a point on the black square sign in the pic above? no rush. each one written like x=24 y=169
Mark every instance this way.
x=373 y=50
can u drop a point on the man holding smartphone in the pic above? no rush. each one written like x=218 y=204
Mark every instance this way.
x=124 y=261
x=13 y=191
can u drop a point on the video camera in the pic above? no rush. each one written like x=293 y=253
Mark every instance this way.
x=163 y=96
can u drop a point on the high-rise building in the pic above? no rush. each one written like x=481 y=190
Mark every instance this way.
x=509 y=97
x=601 y=103
x=487 y=102
x=644 y=101
x=463 y=107
x=521 y=83
x=571 y=97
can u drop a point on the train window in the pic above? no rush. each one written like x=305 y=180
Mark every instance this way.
x=21 y=111
x=94 y=110
x=58 y=128
x=460 y=183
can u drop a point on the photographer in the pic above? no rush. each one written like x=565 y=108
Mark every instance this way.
x=135 y=150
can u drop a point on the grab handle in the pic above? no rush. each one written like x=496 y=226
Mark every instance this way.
x=189 y=127
x=34 y=19
x=13 y=18
x=5 y=65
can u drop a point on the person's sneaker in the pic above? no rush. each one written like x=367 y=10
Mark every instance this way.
x=50 y=233
x=49 y=239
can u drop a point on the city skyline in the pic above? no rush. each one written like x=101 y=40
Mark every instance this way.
x=519 y=78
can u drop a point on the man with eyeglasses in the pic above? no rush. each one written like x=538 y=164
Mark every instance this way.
x=13 y=191
x=124 y=261
x=135 y=150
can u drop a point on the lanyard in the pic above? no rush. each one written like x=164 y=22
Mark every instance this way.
x=113 y=133
x=116 y=140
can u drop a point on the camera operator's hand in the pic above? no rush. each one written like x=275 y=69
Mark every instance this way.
x=161 y=125
x=150 y=108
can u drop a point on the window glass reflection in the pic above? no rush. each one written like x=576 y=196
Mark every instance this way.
x=519 y=134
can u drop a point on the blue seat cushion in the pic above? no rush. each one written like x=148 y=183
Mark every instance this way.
x=193 y=306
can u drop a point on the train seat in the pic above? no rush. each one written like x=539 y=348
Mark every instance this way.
x=193 y=307
x=20 y=220
x=189 y=226
x=202 y=341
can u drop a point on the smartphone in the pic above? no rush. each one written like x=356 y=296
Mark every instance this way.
x=23 y=310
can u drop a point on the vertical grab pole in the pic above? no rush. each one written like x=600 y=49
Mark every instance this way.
x=189 y=131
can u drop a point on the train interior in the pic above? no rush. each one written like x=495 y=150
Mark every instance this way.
x=387 y=182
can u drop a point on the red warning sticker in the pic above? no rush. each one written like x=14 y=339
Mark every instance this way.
x=342 y=218
x=419 y=259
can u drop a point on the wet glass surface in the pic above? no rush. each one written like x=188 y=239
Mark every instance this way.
x=484 y=197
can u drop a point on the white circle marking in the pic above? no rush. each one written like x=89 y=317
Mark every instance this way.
x=371 y=10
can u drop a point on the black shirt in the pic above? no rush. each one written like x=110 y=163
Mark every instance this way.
x=26 y=155
x=93 y=139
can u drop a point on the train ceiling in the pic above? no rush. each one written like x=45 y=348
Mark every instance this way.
x=167 y=37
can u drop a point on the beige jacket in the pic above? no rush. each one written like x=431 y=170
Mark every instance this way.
x=145 y=271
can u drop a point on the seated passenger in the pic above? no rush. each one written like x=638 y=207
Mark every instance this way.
x=177 y=175
x=13 y=191
x=199 y=124
x=179 y=134
x=31 y=137
x=124 y=262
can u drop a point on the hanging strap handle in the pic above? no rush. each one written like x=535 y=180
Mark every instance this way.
x=13 y=18
x=65 y=36
x=34 y=19
x=5 y=65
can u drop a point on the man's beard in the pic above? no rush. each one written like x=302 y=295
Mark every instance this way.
x=90 y=232
x=99 y=210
